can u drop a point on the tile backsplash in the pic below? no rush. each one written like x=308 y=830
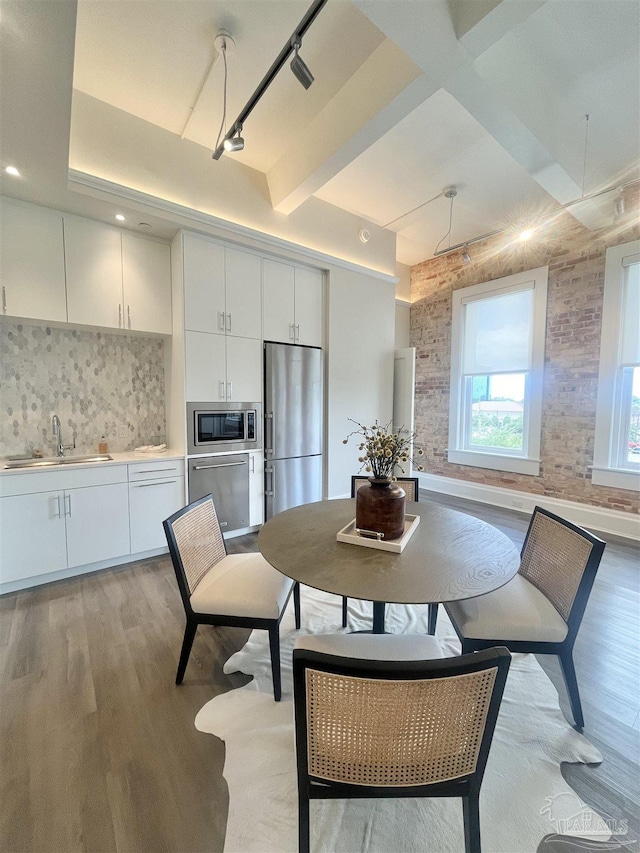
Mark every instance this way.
x=98 y=384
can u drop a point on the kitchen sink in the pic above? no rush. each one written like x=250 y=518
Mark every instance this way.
x=50 y=461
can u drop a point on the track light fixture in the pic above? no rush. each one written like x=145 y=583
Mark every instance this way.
x=618 y=205
x=236 y=143
x=464 y=254
x=299 y=66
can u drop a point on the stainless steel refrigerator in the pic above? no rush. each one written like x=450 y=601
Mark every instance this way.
x=293 y=426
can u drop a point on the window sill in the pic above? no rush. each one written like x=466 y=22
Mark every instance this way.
x=495 y=462
x=617 y=478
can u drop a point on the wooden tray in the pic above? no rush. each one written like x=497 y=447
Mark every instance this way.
x=352 y=536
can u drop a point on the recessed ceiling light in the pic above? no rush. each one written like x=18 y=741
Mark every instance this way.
x=527 y=234
x=11 y=170
x=119 y=217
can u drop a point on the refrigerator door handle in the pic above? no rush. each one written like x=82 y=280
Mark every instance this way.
x=271 y=472
x=268 y=433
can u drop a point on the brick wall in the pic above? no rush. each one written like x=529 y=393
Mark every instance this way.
x=576 y=260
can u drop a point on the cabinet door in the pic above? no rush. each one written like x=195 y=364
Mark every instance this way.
x=93 y=254
x=149 y=504
x=243 y=294
x=256 y=488
x=278 y=300
x=97 y=523
x=206 y=367
x=244 y=370
x=146 y=278
x=204 y=302
x=309 y=305
x=32 y=262
x=32 y=536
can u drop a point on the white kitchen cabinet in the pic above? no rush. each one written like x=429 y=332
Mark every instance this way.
x=32 y=270
x=146 y=282
x=33 y=539
x=222 y=289
x=222 y=368
x=156 y=491
x=97 y=520
x=93 y=254
x=293 y=304
x=116 y=280
x=256 y=488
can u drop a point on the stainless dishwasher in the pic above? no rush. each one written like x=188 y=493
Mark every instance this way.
x=227 y=479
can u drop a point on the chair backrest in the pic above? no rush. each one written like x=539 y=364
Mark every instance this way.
x=409 y=484
x=561 y=560
x=396 y=723
x=195 y=543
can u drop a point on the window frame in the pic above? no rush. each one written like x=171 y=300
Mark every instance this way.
x=608 y=468
x=528 y=460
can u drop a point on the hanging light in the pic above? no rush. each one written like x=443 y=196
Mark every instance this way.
x=299 y=66
x=236 y=143
x=464 y=254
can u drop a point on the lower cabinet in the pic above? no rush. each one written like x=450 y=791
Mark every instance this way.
x=97 y=521
x=149 y=504
x=33 y=538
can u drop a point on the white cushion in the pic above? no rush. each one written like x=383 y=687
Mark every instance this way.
x=373 y=646
x=242 y=585
x=516 y=611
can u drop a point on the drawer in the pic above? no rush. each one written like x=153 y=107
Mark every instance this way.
x=155 y=469
x=63 y=477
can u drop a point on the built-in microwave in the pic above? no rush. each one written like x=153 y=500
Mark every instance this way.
x=223 y=427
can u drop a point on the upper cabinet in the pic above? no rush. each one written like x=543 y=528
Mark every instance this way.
x=116 y=280
x=32 y=262
x=293 y=304
x=222 y=289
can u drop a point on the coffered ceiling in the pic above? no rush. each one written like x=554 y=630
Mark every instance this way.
x=410 y=97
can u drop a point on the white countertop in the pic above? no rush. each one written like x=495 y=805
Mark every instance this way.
x=117 y=459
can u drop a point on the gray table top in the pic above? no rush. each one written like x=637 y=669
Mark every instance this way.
x=450 y=556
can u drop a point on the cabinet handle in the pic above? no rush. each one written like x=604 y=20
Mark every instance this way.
x=4 y=299
x=59 y=510
x=222 y=396
x=223 y=465
x=155 y=471
x=228 y=322
x=292 y=332
x=68 y=498
x=229 y=390
x=298 y=332
x=146 y=485
x=221 y=320
x=119 y=315
x=129 y=315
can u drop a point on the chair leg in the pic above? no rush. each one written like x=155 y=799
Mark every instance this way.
x=296 y=602
x=189 y=634
x=433 y=618
x=571 y=683
x=345 y=601
x=304 y=842
x=274 y=648
x=471 y=818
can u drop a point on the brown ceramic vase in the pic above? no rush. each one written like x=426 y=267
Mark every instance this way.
x=380 y=508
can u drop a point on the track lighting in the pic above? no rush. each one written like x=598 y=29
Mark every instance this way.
x=299 y=66
x=235 y=143
x=464 y=255
x=618 y=205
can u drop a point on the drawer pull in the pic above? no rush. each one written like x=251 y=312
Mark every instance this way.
x=146 y=485
x=154 y=471
x=224 y=465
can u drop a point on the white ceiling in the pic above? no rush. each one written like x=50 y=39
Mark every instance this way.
x=410 y=96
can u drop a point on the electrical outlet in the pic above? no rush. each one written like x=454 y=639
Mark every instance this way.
x=123 y=430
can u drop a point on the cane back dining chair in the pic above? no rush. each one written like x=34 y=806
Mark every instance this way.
x=386 y=727
x=237 y=590
x=540 y=609
x=410 y=486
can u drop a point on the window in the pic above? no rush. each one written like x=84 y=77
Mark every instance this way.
x=497 y=359
x=617 y=443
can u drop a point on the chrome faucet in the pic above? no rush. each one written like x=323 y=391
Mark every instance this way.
x=57 y=431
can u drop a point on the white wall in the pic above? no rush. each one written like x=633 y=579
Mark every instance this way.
x=361 y=314
x=403 y=324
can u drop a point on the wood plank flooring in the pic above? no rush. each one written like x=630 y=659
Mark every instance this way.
x=98 y=751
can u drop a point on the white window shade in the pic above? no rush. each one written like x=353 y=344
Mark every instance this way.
x=498 y=333
x=630 y=343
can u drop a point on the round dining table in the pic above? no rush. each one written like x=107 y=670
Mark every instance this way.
x=450 y=556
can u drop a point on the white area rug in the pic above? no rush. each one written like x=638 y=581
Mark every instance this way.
x=523 y=798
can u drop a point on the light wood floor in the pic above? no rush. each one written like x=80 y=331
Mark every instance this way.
x=98 y=751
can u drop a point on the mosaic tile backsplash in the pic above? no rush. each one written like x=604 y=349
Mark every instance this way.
x=98 y=384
